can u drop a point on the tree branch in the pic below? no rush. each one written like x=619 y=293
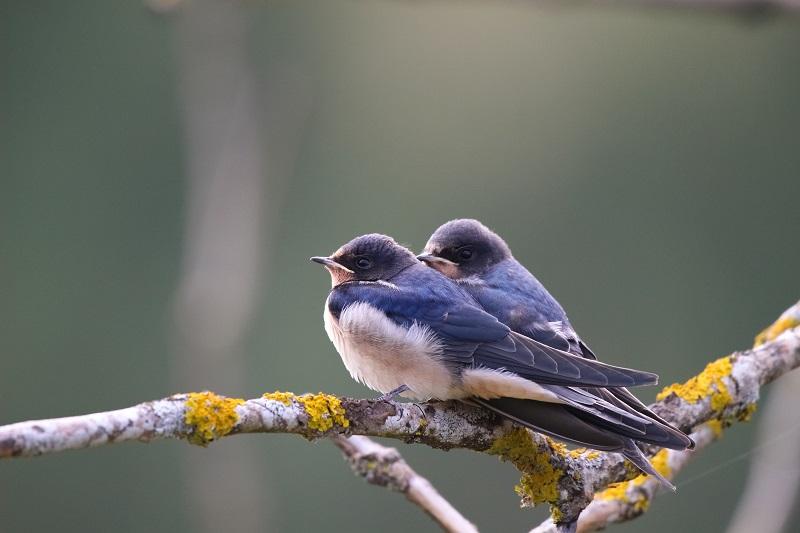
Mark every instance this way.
x=625 y=501
x=724 y=392
x=385 y=467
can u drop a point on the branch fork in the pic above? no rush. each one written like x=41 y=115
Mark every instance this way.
x=571 y=481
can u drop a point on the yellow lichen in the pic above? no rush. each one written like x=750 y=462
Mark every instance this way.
x=716 y=427
x=786 y=321
x=210 y=416
x=284 y=397
x=423 y=423
x=615 y=491
x=539 y=482
x=660 y=462
x=747 y=413
x=709 y=383
x=324 y=410
x=559 y=448
x=641 y=504
x=637 y=498
x=583 y=453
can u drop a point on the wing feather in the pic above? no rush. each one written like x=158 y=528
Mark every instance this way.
x=541 y=363
x=470 y=336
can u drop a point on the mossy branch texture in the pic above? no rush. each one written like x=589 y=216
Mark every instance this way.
x=568 y=480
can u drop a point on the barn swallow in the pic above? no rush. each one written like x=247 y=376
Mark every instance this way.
x=480 y=261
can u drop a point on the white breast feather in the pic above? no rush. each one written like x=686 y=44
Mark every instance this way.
x=384 y=356
x=489 y=383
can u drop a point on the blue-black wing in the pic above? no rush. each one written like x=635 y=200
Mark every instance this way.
x=561 y=335
x=469 y=336
x=544 y=364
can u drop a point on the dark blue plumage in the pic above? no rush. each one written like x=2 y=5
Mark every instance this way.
x=513 y=295
x=481 y=263
x=463 y=331
x=419 y=294
x=403 y=328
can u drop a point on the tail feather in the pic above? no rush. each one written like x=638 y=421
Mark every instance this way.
x=624 y=396
x=574 y=427
x=600 y=408
x=565 y=368
x=554 y=420
x=633 y=454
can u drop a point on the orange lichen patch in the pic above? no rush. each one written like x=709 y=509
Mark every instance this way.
x=709 y=383
x=786 y=321
x=210 y=416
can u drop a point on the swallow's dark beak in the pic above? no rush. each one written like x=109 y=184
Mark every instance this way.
x=430 y=259
x=330 y=263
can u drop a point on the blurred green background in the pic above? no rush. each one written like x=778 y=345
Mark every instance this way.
x=643 y=162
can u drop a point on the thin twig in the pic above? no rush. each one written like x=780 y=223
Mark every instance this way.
x=385 y=467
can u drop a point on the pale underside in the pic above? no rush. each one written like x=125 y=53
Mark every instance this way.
x=384 y=356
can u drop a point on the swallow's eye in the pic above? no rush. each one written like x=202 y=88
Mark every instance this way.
x=363 y=263
x=465 y=254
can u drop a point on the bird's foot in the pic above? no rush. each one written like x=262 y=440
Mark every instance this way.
x=389 y=396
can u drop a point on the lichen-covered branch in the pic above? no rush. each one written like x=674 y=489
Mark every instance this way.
x=627 y=500
x=385 y=467
x=567 y=480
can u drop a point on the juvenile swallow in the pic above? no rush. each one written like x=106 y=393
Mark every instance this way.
x=480 y=262
x=403 y=328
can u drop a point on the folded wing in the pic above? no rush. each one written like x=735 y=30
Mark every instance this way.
x=541 y=363
x=561 y=335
